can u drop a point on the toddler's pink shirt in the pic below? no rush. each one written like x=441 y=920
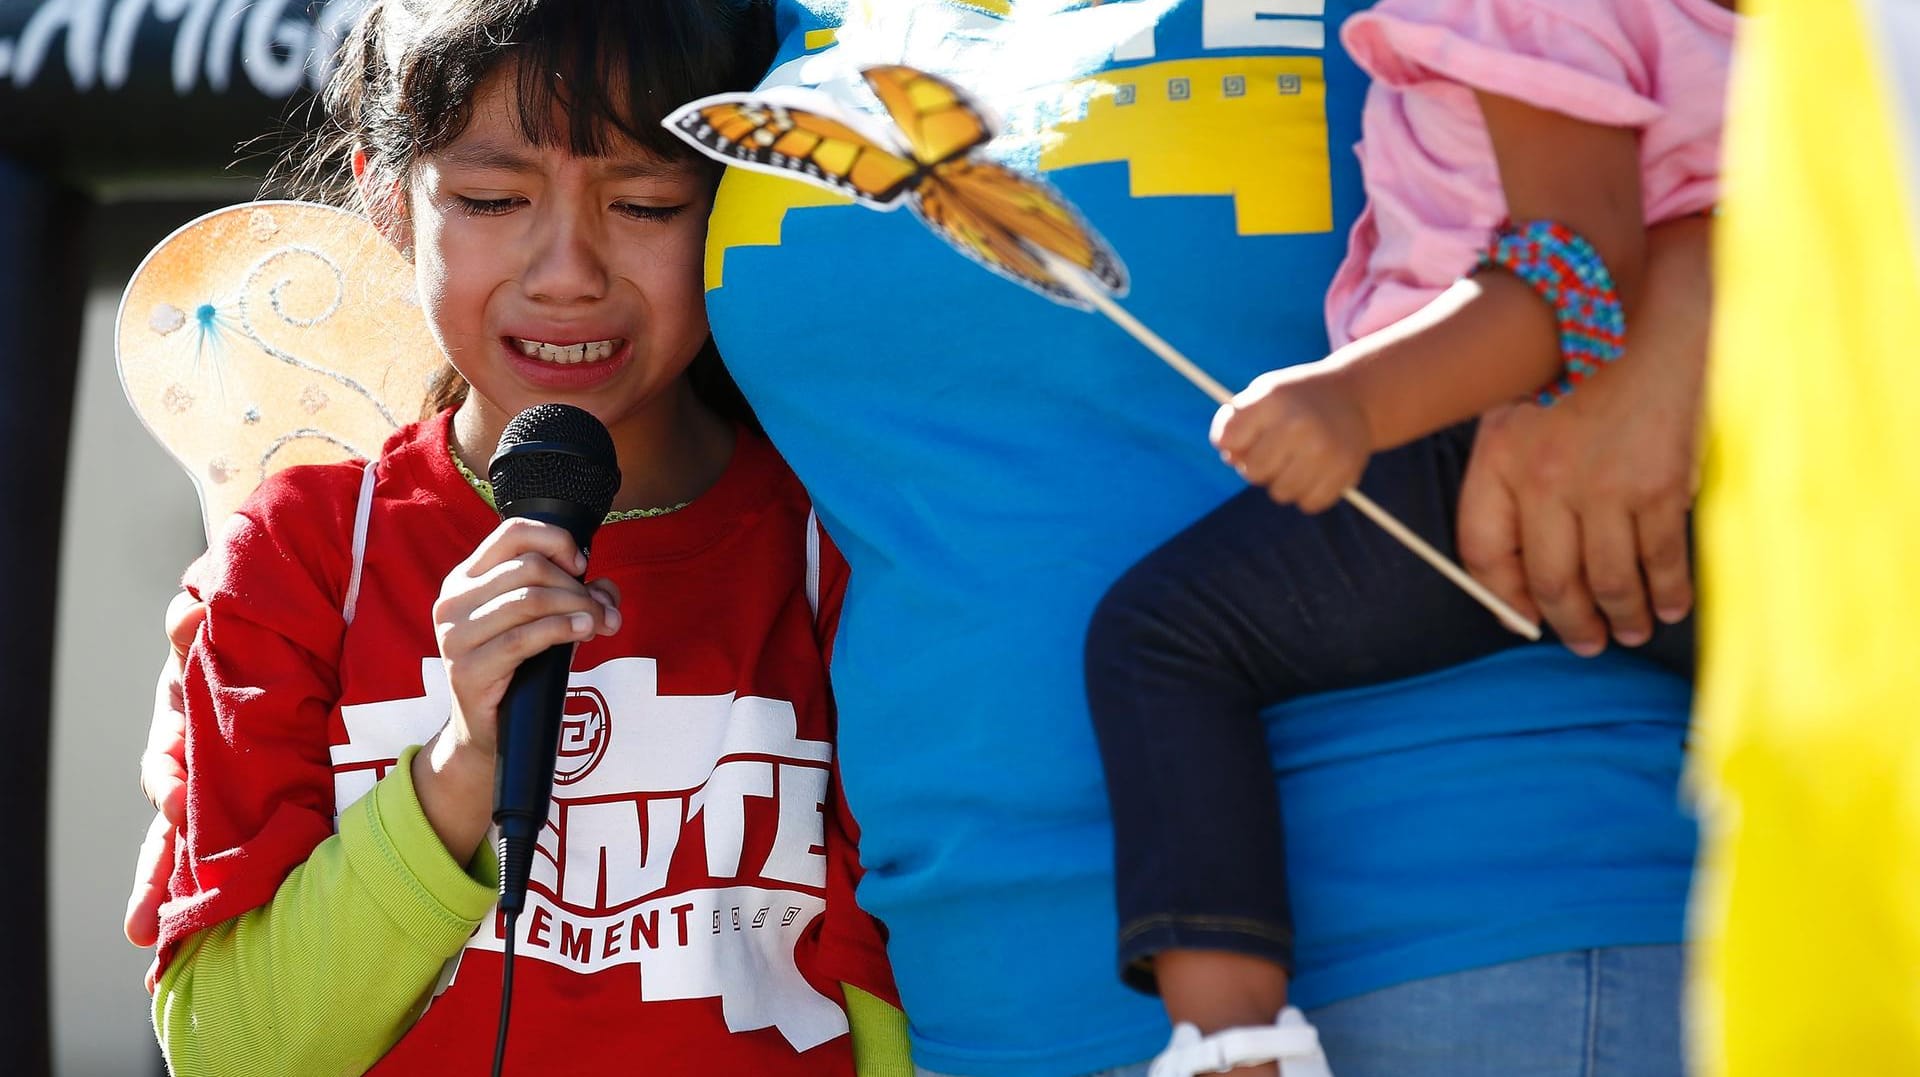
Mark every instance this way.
x=1433 y=190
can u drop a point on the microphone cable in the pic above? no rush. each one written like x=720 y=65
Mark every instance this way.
x=515 y=847
x=506 y=996
x=505 y=993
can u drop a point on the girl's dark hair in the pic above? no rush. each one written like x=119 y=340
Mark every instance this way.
x=587 y=73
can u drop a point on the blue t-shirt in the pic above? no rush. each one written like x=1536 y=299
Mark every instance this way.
x=991 y=461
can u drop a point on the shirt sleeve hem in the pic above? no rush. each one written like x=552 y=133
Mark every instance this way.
x=418 y=884
x=1402 y=53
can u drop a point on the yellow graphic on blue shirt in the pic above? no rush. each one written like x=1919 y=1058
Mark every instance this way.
x=1246 y=122
x=1253 y=127
x=757 y=205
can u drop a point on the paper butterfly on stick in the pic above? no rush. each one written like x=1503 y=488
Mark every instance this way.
x=987 y=211
x=1013 y=224
x=269 y=334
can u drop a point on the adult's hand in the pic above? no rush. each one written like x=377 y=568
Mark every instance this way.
x=1578 y=512
x=163 y=775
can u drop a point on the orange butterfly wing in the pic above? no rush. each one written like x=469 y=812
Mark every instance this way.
x=989 y=212
x=804 y=144
x=938 y=120
x=993 y=214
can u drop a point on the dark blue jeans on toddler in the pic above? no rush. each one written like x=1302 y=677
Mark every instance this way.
x=1255 y=604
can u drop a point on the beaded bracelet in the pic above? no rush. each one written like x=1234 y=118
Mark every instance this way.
x=1563 y=267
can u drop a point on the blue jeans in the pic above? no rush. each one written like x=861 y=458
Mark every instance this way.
x=1612 y=1012
x=1253 y=605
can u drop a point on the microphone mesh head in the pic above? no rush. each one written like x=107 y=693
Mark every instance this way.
x=556 y=451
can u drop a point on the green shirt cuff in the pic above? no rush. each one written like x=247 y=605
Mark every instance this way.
x=390 y=844
x=879 y=1032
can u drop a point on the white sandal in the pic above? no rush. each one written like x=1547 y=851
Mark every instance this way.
x=1290 y=1041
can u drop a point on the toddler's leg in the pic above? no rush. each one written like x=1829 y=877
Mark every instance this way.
x=1254 y=604
x=1198 y=870
x=1174 y=704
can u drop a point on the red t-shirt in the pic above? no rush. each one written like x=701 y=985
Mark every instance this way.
x=691 y=907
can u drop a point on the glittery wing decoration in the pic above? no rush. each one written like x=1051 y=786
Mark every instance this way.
x=269 y=334
x=988 y=212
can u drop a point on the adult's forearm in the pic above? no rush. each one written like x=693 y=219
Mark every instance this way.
x=1680 y=267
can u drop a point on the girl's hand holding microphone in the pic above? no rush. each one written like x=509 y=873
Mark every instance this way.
x=515 y=596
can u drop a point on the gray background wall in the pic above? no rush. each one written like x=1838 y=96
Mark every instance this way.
x=137 y=107
x=132 y=523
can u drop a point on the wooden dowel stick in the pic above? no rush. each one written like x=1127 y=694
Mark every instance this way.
x=1071 y=275
x=1392 y=525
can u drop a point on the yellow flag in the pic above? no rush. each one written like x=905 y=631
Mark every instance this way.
x=1807 y=909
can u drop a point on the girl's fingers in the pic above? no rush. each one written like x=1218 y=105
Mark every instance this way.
x=608 y=595
x=523 y=604
x=607 y=590
x=515 y=596
x=504 y=614
x=462 y=595
x=494 y=658
x=527 y=570
x=518 y=538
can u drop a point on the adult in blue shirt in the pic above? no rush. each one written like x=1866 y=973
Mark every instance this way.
x=990 y=461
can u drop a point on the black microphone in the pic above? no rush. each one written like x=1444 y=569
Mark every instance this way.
x=556 y=464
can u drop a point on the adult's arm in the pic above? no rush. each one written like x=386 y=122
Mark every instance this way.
x=163 y=774
x=1578 y=512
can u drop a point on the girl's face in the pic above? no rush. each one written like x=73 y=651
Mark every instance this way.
x=551 y=277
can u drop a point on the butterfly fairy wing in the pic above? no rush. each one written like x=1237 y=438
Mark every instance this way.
x=269 y=334
x=768 y=135
x=995 y=216
x=937 y=119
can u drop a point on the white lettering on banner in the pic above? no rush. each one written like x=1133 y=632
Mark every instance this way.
x=1137 y=47
x=616 y=862
x=724 y=801
x=641 y=769
x=277 y=51
x=1243 y=24
x=733 y=943
x=1003 y=59
x=378 y=732
x=798 y=856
